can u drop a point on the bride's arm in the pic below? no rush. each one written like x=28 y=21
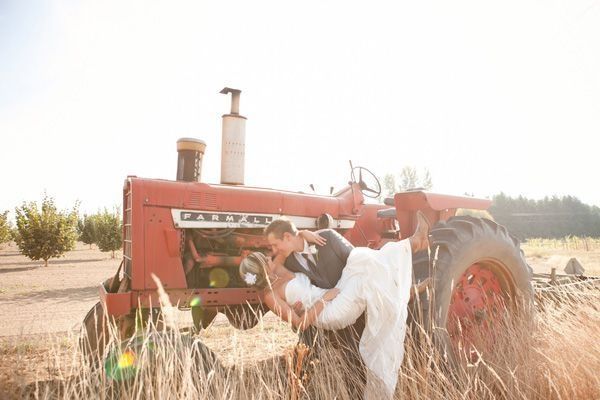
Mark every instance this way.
x=312 y=237
x=286 y=313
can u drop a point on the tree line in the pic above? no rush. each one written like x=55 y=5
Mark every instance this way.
x=550 y=217
x=42 y=231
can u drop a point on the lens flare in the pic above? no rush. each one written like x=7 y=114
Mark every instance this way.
x=126 y=359
x=196 y=301
x=218 y=278
x=121 y=367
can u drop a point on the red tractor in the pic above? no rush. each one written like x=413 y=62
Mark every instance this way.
x=192 y=236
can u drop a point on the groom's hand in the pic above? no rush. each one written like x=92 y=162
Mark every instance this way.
x=298 y=307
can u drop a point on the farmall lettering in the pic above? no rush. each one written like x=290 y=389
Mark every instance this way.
x=237 y=219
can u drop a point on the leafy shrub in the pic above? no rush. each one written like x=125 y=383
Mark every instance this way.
x=88 y=230
x=5 y=228
x=46 y=232
x=108 y=231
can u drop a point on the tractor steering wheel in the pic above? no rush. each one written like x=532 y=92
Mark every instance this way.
x=371 y=189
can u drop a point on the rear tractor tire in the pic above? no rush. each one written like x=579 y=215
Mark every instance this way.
x=480 y=277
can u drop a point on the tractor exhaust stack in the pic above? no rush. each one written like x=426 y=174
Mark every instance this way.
x=233 y=146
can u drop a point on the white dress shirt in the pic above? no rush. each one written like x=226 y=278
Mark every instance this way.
x=300 y=258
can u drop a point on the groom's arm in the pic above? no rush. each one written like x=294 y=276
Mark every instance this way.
x=339 y=244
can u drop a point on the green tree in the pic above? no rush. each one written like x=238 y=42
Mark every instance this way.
x=46 y=232
x=5 y=228
x=409 y=178
x=79 y=227
x=108 y=231
x=14 y=234
x=88 y=231
x=426 y=181
x=389 y=185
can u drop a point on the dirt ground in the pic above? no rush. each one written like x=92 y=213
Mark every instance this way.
x=41 y=310
x=35 y=300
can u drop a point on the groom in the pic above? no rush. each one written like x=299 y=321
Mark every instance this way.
x=323 y=264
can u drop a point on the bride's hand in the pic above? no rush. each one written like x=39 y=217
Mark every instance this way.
x=313 y=237
x=331 y=294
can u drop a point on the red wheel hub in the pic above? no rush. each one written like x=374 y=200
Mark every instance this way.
x=476 y=302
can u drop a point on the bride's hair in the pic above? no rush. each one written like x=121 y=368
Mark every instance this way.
x=253 y=270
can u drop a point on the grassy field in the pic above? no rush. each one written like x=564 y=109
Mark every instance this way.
x=545 y=254
x=557 y=357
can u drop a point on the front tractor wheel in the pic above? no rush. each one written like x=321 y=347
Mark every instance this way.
x=480 y=281
x=96 y=333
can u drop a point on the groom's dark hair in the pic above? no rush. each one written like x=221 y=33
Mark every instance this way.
x=280 y=226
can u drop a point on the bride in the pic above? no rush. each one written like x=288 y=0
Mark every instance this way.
x=377 y=282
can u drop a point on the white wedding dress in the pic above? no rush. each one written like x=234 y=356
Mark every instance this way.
x=375 y=281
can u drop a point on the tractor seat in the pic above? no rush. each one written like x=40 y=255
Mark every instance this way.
x=387 y=213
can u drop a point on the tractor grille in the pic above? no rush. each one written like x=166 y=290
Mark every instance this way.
x=203 y=200
x=127 y=228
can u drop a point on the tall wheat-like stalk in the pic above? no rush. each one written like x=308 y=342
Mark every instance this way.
x=555 y=357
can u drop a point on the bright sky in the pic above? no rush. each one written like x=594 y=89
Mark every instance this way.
x=490 y=96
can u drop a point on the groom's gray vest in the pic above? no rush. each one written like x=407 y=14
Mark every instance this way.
x=330 y=260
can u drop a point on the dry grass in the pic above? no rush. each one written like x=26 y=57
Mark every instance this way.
x=557 y=357
x=545 y=254
x=566 y=243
